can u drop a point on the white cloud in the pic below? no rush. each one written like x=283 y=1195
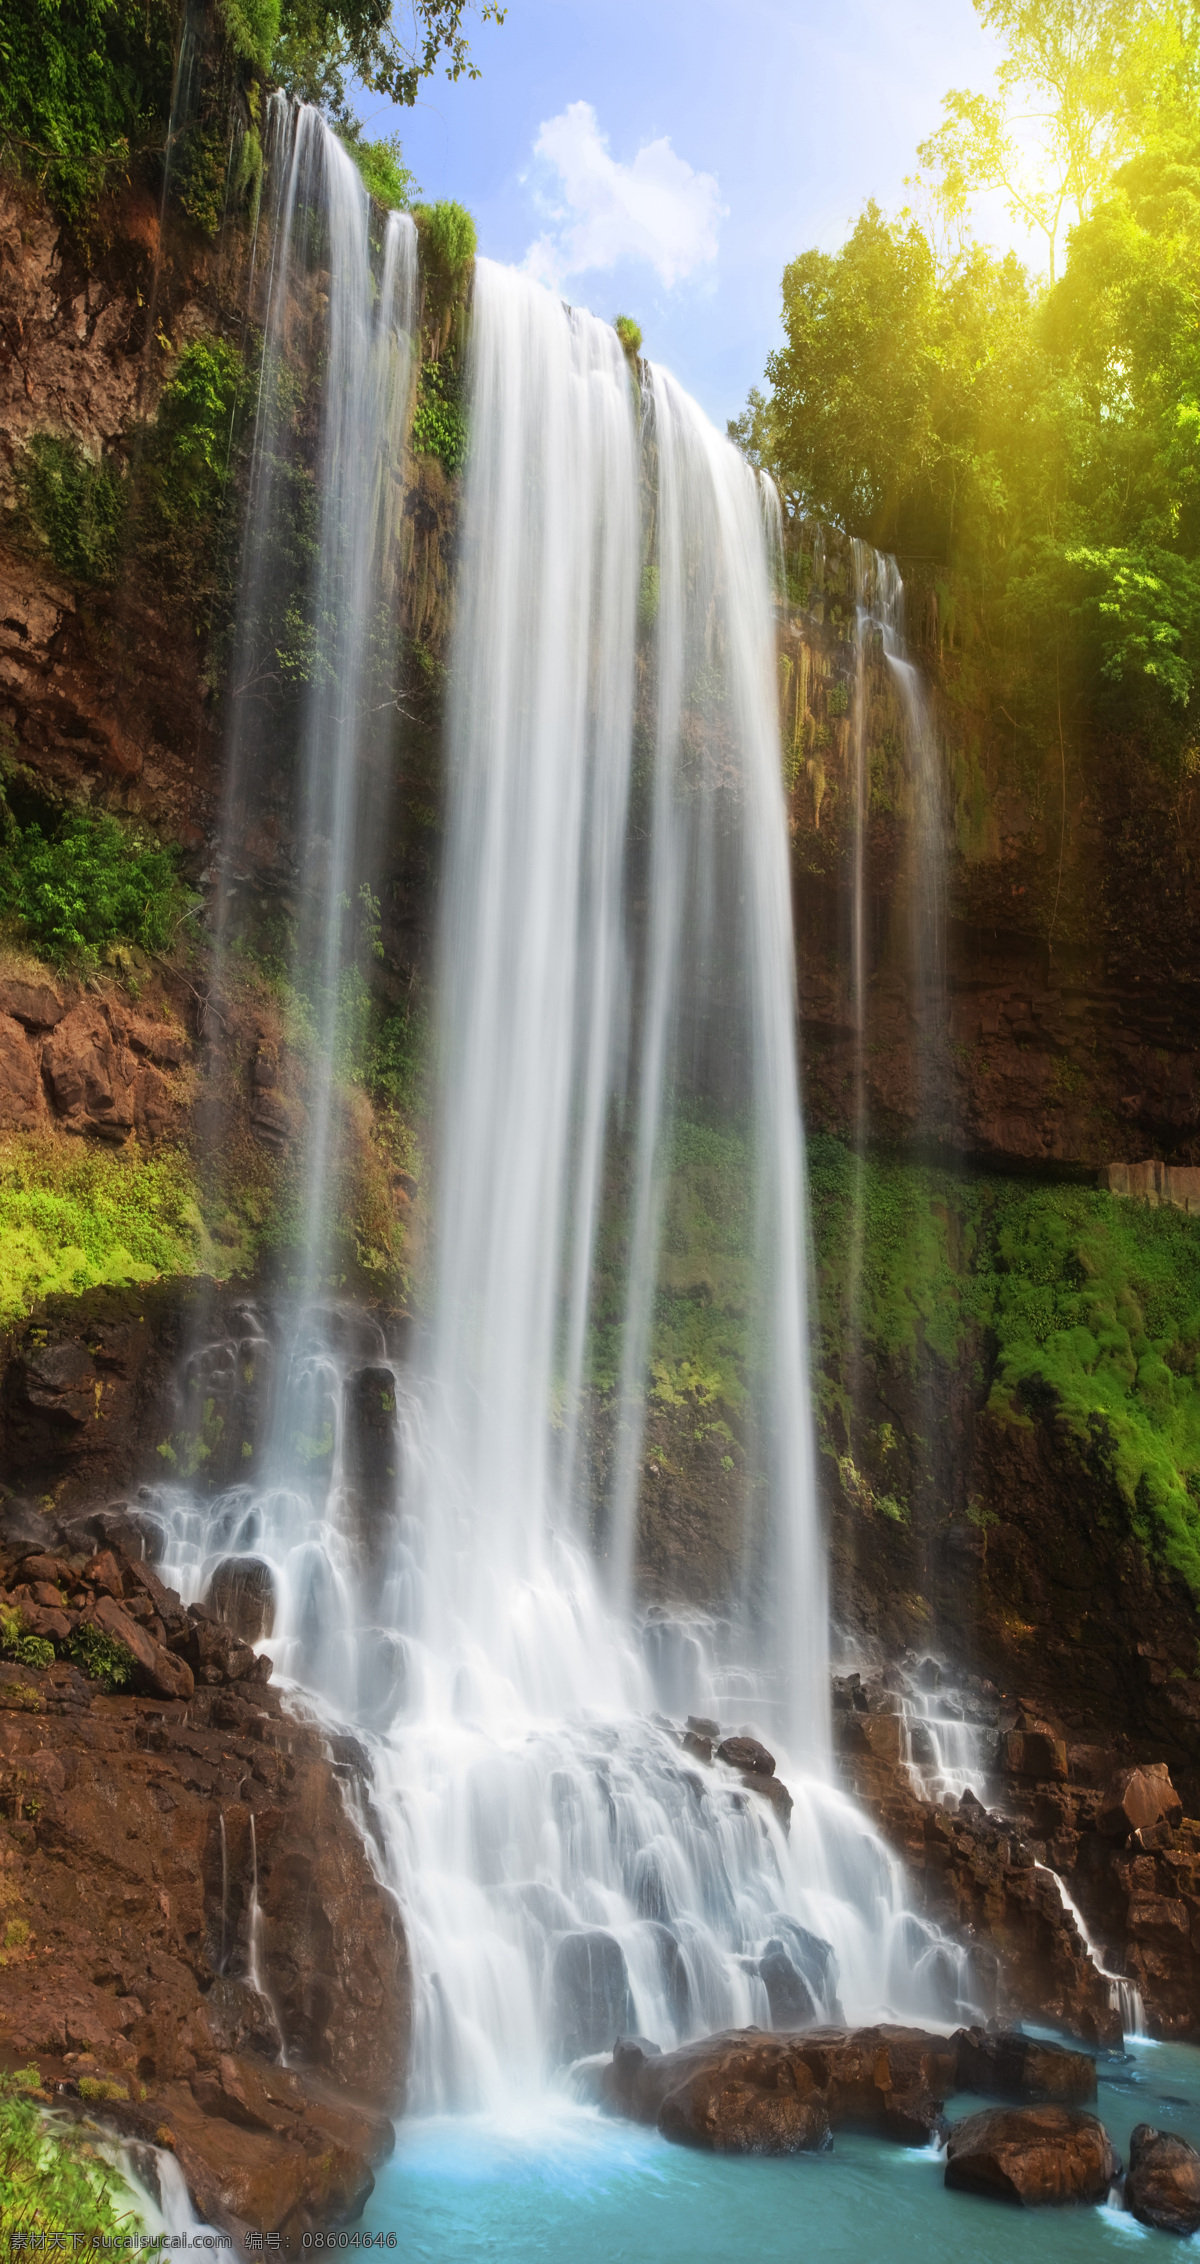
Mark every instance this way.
x=655 y=209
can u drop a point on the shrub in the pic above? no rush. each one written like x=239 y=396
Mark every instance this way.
x=80 y=84
x=88 y=880
x=385 y=175
x=76 y=505
x=448 y=238
x=629 y=333
x=102 y=1657
x=439 y=427
x=27 y=1650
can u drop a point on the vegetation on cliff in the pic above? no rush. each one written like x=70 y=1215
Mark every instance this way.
x=73 y=1217
x=1060 y=1302
x=55 y=2186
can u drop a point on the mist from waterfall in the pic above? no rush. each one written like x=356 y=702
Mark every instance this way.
x=453 y=1570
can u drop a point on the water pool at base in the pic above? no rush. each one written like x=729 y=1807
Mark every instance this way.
x=571 y=2186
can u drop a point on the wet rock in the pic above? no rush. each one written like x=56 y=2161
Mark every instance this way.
x=1015 y=2066
x=1033 y=1753
x=701 y=1726
x=884 y=2079
x=591 y=2001
x=214 y=1653
x=746 y=1754
x=1162 y=2185
x=1032 y=2155
x=726 y=2116
x=1138 y=1800
x=774 y=1792
x=791 y=2000
x=242 y=1593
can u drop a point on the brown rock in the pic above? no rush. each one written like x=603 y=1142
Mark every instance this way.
x=91 y=1079
x=1138 y=1799
x=30 y=1000
x=160 y=1670
x=20 y=1084
x=774 y=1792
x=157 y=1041
x=102 y=1571
x=46 y=1568
x=156 y=1111
x=747 y=1754
x=242 y=1593
x=1032 y=2155
x=1162 y=2186
x=1034 y=1753
x=726 y=2116
x=1020 y=2067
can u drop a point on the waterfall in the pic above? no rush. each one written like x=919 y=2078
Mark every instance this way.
x=447 y=1566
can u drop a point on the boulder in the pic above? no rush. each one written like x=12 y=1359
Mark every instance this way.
x=1032 y=2155
x=591 y=2001
x=241 y=1592
x=1162 y=2187
x=31 y=1000
x=886 y=2080
x=158 y=1669
x=1138 y=1799
x=726 y=2116
x=1034 y=1752
x=214 y=1653
x=1013 y=2066
x=746 y=1754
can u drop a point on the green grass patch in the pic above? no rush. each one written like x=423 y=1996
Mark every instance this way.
x=75 y=1218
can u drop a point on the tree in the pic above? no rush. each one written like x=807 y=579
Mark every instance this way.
x=1082 y=85
x=324 y=42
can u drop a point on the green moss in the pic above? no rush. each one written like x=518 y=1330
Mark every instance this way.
x=1068 y=1296
x=629 y=333
x=73 y=1218
x=53 y=2182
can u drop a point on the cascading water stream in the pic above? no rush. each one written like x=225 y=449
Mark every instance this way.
x=447 y=1571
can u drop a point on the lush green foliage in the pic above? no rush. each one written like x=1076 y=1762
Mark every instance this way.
x=439 y=427
x=324 y=44
x=76 y=504
x=16 y=1643
x=386 y=177
x=104 y=1657
x=447 y=238
x=81 y=83
x=52 y=2180
x=85 y=880
x=1062 y=1294
x=73 y=1218
x=630 y=335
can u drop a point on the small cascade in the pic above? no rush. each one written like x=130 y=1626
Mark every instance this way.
x=1123 y=1995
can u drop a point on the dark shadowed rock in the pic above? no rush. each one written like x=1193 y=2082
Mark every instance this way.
x=883 y=2079
x=1032 y=2155
x=1020 y=2067
x=1162 y=2187
x=747 y=1754
x=1138 y=1799
x=591 y=2003
x=242 y=1593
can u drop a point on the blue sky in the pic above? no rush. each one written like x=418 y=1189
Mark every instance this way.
x=665 y=158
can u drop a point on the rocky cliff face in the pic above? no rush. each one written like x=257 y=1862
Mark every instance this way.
x=185 y=1886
